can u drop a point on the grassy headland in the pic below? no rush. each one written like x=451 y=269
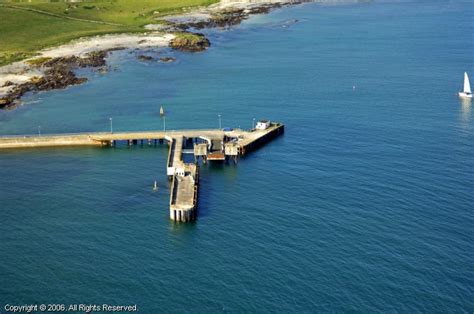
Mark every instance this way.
x=26 y=27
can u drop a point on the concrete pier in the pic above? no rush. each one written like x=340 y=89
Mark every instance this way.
x=212 y=145
x=183 y=196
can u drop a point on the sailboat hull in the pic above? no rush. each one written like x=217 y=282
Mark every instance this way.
x=464 y=95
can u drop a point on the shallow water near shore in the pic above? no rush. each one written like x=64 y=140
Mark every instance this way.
x=365 y=204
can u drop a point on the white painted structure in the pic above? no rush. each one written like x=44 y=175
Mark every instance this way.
x=179 y=171
x=263 y=124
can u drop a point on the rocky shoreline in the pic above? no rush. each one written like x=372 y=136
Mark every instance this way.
x=225 y=17
x=58 y=72
x=55 y=67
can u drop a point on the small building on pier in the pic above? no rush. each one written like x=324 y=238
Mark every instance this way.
x=263 y=124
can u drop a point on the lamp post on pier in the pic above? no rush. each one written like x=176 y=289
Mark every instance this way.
x=164 y=123
x=253 y=123
x=220 y=122
x=111 y=125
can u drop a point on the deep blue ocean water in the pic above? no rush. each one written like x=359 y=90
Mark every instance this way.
x=365 y=204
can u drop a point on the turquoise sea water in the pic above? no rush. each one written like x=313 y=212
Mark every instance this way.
x=365 y=204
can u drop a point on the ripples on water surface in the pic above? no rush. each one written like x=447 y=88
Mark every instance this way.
x=365 y=204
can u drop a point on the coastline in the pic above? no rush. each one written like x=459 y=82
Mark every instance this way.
x=22 y=71
x=53 y=68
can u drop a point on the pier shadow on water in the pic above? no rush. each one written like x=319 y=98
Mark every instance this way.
x=183 y=228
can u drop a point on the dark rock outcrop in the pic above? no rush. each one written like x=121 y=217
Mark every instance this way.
x=186 y=41
x=92 y=59
x=57 y=78
x=229 y=17
x=58 y=74
x=8 y=83
x=54 y=78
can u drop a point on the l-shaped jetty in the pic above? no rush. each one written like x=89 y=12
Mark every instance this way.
x=209 y=145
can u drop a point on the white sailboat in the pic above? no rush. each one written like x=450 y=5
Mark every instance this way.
x=162 y=111
x=466 y=92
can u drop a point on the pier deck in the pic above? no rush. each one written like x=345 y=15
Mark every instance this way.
x=184 y=176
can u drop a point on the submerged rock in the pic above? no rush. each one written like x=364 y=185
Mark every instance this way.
x=144 y=58
x=167 y=59
x=103 y=70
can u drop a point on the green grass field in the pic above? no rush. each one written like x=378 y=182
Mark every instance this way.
x=26 y=27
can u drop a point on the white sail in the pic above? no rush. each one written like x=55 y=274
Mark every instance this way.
x=467 y=86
